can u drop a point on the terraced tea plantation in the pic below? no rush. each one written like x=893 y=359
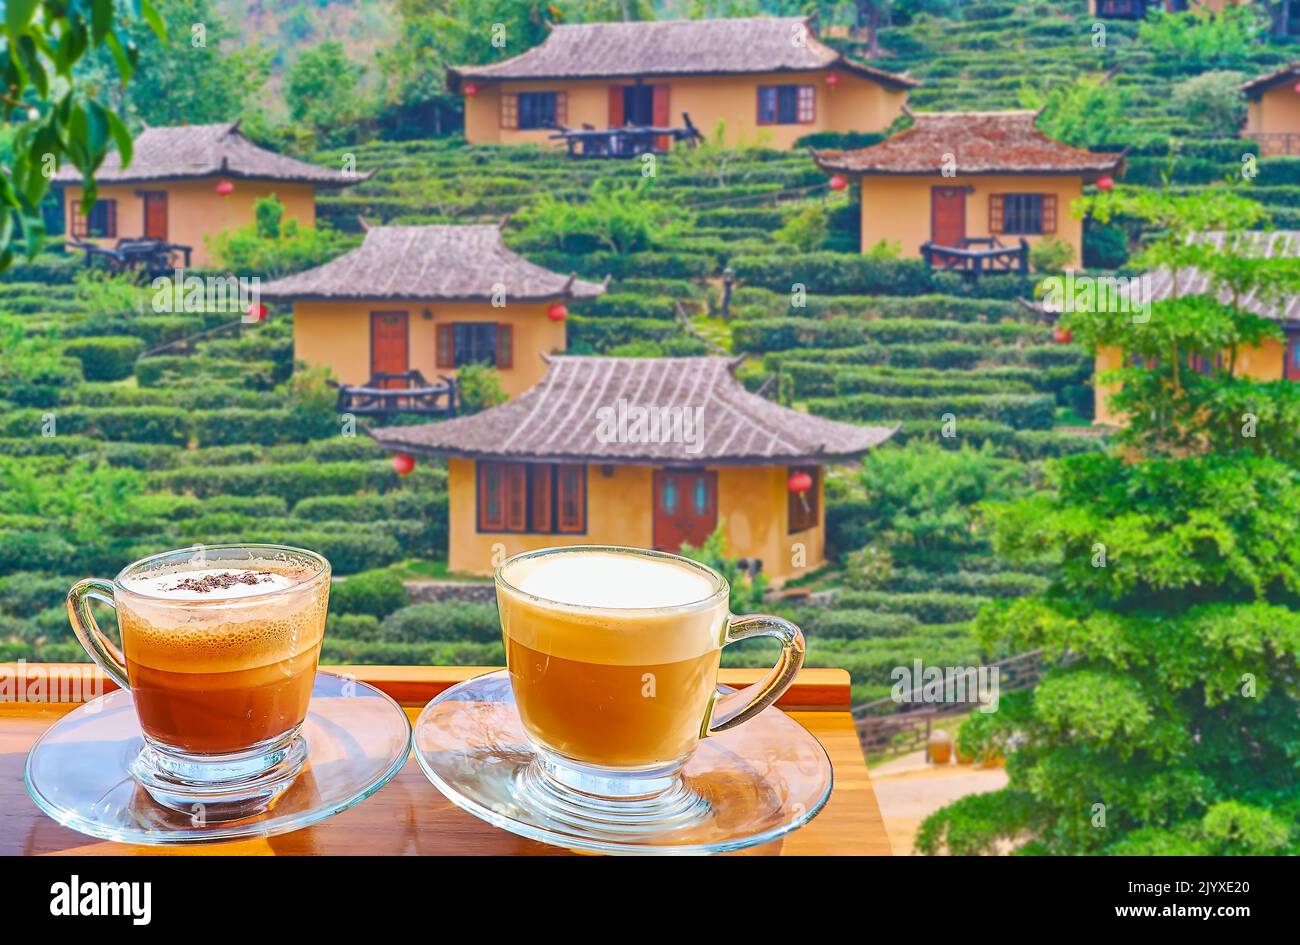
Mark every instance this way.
x=111 y=450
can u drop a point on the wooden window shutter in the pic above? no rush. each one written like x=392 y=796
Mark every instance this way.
x=445 y=356
x=542 y=496
x=505 y=345
x=78 y=220
x=997 y=214
x=659 y=106
x=491 y=497
x=561 y=108
x=616 y=106
x=1049 y=213
x=571 y=498
x=516 y=493
x=807 y=102
x=509 y=110
x=110 y=218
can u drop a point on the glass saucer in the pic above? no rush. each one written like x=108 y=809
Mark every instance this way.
x=751 y=784
x=78 y=772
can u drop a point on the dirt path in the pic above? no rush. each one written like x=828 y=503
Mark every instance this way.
x=909 y=790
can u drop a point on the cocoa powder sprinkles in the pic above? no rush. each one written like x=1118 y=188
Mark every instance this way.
x=213 y=582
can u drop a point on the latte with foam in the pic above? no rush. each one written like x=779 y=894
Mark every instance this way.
x=613 y=656
x=222 y=658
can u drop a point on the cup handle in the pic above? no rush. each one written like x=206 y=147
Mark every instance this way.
x=730 y=710
x=99 y=647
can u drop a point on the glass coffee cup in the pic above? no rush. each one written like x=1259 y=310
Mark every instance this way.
x=613 y=657
x=219 y=651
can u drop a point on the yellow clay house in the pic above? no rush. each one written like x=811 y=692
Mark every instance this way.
x=187 y=183
x=1273 y=110
x=960 y=185
x=768 y=80
x=1271 y=361
x=429 y=299
x=651 y=452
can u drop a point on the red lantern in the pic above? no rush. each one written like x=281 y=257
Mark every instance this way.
x=799 y=482
x=256 y=312
x=557 y=312
x=1297 y=87
x=225 y=188
x=403 y=463
x=1105 y=183
x=833 y=79
x=1062 y=335
x=470 y=89
x=838 y=182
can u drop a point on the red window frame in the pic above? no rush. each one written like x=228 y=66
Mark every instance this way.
x=534 y=498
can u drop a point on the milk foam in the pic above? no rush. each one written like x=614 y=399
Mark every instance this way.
x=611 y=581
x=177 y=585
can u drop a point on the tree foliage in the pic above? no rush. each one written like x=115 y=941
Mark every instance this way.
x=60 y=120
x=1171 y=723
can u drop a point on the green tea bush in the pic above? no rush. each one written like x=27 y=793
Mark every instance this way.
x=376 y=594
x=457 y=620
x=105 y=359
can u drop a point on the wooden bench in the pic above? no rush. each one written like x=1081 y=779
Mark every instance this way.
x=994 y=257
x=156 y=257
x=408 y=816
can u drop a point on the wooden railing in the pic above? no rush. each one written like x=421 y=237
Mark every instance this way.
x=891 y=726
x=404 y=392
x=625 y=141
x=976 y=262
x=1276 y=143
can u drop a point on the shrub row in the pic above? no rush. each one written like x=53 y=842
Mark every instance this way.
x=782 y=334
x=1022 y=411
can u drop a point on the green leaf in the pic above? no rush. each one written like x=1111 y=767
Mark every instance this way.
x=18 y=13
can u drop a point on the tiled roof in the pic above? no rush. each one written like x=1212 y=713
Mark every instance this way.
x=1159 y=286
x=1261 y=84
x=571 y=415
x=187 y=151
x=677 y=47
x=467 y=263
x=979 y=142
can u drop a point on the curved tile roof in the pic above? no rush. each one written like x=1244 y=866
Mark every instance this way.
x=573 y=415
x=187 y=151
x=982 y=143
x=677 y=47
x=418 y=263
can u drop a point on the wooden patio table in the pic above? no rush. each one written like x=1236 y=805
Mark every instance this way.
x=408 y=816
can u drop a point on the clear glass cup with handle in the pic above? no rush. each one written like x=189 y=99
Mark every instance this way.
x=219 y=651
x=613 y=655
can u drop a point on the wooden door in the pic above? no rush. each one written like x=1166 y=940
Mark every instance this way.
x=155 y=214
x=389 y=346
x=686 y=507
x=1291 y=368
x=948 y=216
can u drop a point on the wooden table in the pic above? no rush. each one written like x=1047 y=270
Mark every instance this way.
x=408 y=815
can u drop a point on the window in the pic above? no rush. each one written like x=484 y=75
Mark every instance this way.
x=787 y=104
x=100 y=223
x=802 y=506
x=540 y=498
x=638 y=105
x=490 y=343
x=1022 y=214
x=539 y=110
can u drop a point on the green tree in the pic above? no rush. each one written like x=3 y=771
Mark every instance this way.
x=58 y=115
x=1199 y=39
x=192 y=75
x=1085 y=113
x=1174 y=724
x=1211 y=103
x=321 y=91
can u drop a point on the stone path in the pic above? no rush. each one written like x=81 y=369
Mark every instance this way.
x=909 y=790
